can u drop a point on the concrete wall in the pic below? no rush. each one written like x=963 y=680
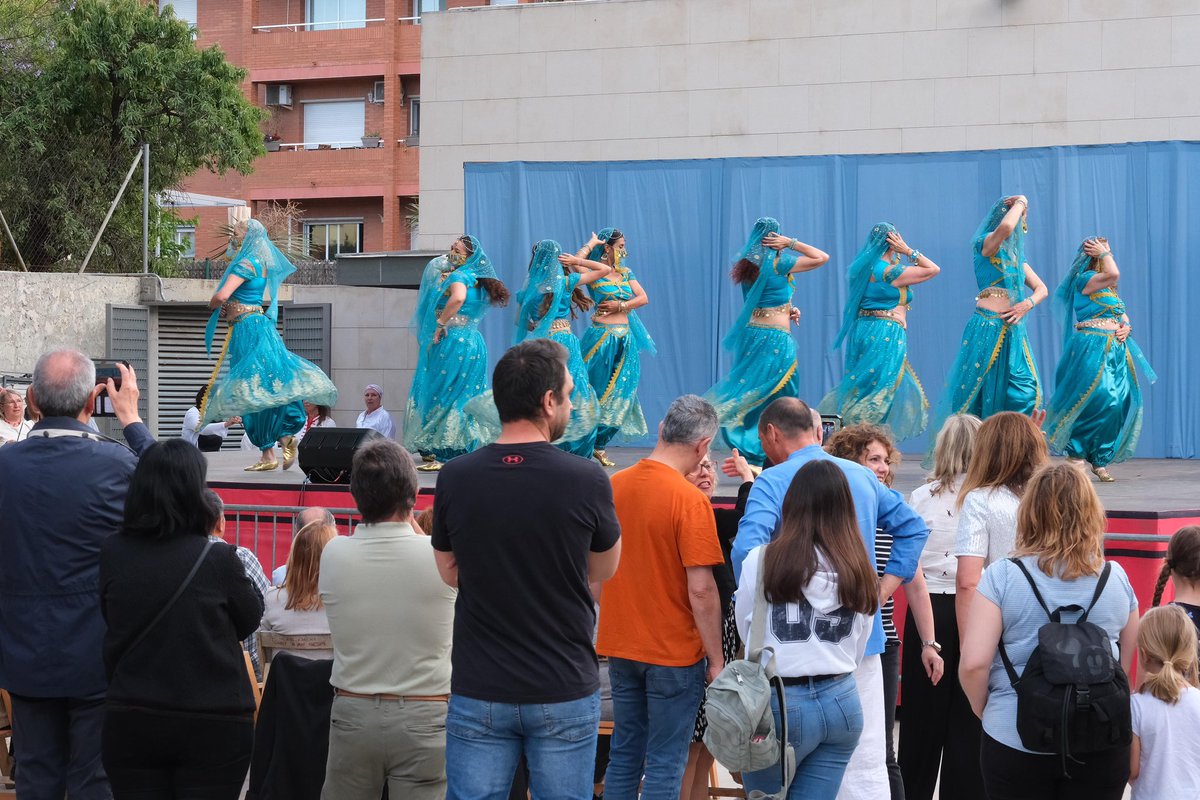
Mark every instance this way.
x=646 y=79
x=369 y=338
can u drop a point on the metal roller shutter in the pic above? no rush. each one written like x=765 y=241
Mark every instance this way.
x=337 y=123
x=306 y=332
x=128 y=329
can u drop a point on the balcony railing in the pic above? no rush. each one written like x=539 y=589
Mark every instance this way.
x=342 y=24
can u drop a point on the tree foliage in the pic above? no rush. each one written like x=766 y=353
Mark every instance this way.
x=85 y=84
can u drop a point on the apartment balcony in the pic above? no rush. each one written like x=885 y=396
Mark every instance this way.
x=287 y=50
x=297 y=172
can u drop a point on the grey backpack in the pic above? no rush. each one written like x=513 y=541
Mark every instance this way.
x=741 y=728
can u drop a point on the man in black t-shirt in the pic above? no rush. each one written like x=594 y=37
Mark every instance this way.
x=520 y=529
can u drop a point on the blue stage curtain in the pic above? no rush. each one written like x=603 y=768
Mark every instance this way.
x=684 y=220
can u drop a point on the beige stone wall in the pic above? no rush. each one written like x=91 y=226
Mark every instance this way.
x=369 y=338
x=647 y=79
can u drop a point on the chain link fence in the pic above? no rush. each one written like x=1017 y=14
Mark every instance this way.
x=309 y=272
x=53 y=210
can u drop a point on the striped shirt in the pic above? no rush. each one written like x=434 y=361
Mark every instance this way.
x=883 y=552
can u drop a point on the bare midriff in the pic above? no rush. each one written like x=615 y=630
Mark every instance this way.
x=612 y=318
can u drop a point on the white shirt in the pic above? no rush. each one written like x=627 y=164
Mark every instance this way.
x=191 y=427
x=799 y=653
x=1170 y=760
x=293 y=622
x=14 y=433
x=939 y=563
x=328 y=422
x=379 y=420
x=987 y=524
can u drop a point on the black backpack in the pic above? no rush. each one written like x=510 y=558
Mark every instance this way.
x=1073 y=696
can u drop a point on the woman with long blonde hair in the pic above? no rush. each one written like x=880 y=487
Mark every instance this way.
x=1008 y=450
x=295 y=608
x=1058 y=563
x=1164 y=760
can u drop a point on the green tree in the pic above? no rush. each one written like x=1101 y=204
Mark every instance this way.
x=86 y=83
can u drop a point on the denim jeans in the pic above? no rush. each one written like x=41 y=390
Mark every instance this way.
x=825 y=720
x=654 y=715
x=485 y=740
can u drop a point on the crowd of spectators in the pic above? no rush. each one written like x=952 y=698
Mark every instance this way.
x=467 y=648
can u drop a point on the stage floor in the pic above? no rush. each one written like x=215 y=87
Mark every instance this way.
x=1143 y=486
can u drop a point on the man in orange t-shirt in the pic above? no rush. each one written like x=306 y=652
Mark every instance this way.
x=660 y=614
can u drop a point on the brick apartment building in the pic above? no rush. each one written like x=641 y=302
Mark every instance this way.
x=330 y=73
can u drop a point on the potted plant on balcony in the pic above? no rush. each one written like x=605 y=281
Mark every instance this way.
x=371 y=139
x=271 y=141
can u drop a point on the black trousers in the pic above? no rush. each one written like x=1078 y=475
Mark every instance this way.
x=1011 y=774
x=56 y=744
x=937 y=725
x=889 y=661
x=156 y=755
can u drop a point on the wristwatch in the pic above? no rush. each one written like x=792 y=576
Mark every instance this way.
x=937 y=648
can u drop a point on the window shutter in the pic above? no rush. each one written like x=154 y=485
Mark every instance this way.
x=340 y=124
x=128 y=339
x=306 y=332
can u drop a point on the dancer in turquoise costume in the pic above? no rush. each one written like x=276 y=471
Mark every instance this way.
x=612 y=345
x=880 y=387
x=764 y=352
x=1096 y=412
x=266 y=385
x=995 y=370
x=456 y=291
x=545 y=311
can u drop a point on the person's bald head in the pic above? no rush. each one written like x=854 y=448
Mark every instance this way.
x=309 y=516
x=63 y=384
x=786 y=425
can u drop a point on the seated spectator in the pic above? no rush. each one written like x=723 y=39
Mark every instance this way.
x=179 y=718
x=318 y=417
x=660 y=615
x=1164 y=759
x=208 y=438
x=296 y=608
x=13 y=425
x=391 y=618
x=373 y=415
x=250 y=563
x=815 y=565
x=302 y=520
x=1060 y=543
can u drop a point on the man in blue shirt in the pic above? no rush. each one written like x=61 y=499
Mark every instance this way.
x=62 y=494
x=791 y=437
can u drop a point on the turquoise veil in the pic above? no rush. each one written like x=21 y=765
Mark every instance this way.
x=859 y=275
x=757 y=253
x=477 y=266
x=641 y=336
x=258 y=249
x=544 y=279
x=1011 y=252
x=1064 y=295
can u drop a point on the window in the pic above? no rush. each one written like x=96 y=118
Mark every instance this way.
x=414 y=116
x=426 y=6
x=184 y=9
x=503 y=2
x=324 y=240
x=330 y=15
x=339 y=123
x=186 y=235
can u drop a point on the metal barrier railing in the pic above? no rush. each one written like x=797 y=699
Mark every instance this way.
x=258 y=528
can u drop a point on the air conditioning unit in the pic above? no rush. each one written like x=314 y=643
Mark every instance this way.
x=279 y=94
x=376 y=95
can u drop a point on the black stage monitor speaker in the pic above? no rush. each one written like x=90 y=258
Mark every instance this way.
x=326 y=453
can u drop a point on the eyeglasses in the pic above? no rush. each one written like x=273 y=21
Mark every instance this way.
x=706 y=466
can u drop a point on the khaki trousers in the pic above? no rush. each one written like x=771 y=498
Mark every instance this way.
x=398 y=742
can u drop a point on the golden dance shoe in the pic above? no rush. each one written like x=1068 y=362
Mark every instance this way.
x=602 y=457
x=431 y=465
x=1103 y=475
x=262 y=466
x=290 y=447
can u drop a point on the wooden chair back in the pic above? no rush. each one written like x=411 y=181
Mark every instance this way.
x=271 y=642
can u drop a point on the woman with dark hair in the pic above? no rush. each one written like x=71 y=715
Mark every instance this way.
x=266 y=383
x=318 y=417
x=1182 y=568
x=995 y=370
x=612 y=345
x=180 y=712
x=552 y=292
x=764 y=352
x=1058 y=563
x=209 y=437
x=873 y=447
x=457 y=289
x=1009 y=448
x=1095 y=415
x=814 y=569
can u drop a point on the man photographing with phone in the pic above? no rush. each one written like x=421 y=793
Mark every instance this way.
x=63 y=493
